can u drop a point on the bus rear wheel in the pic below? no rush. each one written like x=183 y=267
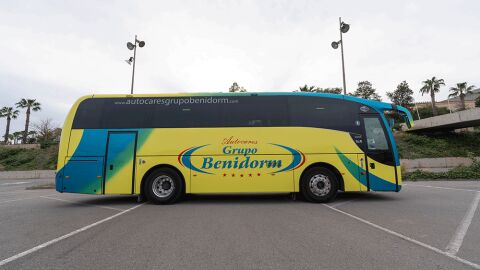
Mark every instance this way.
x=163 y=186
x=319 y=185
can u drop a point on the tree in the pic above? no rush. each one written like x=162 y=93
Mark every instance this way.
x=236 y=88
x=460 y=91
x=306 y=88
x=31 y=105
x=366 y=91
x=431 y=87
x=46 y=132
x=334 y=90
x=315 y=89
x=17 y=136
x=402 y=95
x=477 y=102
x=9 y=113
x=31 y=136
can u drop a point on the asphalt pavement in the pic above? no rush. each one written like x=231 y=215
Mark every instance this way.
x=428 y=225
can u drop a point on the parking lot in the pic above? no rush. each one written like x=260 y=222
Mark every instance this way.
x=428 y=225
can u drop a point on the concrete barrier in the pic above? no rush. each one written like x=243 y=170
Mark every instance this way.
x=21 y=146
x=435 y=164
x=39 y=174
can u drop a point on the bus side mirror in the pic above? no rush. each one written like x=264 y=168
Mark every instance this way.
x=407 y=121
x=391 y=122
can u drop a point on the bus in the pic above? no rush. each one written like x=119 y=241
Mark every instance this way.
x=161 y=147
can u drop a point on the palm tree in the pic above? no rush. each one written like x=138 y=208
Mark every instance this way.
x=31 y=136
x=31 y=105
x=9 y=113
x=17 y=136
x=307 y=88
x=460 y=91
x=431 y=87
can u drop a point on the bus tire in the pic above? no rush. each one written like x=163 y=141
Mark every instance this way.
x=319 y=185
x=164 y=186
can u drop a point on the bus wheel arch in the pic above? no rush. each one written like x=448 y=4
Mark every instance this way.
x=341 y=185
x=159 y=168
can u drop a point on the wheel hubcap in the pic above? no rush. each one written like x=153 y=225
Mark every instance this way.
x=163 y=186
x=320 y=185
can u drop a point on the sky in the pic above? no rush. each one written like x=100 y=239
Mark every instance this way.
x=58 y=51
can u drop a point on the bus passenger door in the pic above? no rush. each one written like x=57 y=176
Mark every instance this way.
x=362 y=172
x=119 y=165
x=379 y=161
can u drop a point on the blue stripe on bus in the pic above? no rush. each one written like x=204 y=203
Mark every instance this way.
x=376 y=183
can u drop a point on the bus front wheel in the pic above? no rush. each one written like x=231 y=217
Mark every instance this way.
x=163 y=186
x=319 y=185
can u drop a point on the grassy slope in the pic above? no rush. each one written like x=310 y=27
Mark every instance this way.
x=413 y=146
x=28 y=159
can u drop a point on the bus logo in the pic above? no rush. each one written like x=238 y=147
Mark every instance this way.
x=238 y=158
x=364 y=109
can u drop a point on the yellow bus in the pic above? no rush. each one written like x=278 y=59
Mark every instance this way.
x=164 y=146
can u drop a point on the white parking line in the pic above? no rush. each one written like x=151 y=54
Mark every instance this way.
x=15 y=200
x=14 y=183
x=58 y=239
x=460 y=189
x=26 y=191
x=341 y=203
x=457 y=239
x=74 y=202
x=406 y=238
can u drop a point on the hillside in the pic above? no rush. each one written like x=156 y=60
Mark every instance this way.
x=413 y=146
x=28 y=159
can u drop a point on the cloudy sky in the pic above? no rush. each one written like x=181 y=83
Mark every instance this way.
x=57 y=51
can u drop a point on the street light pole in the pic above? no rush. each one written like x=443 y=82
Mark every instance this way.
x=135 y=58
x=343 y=29
x=343 y=61
x=133 y=46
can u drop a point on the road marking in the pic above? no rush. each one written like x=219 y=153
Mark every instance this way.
x=342 y=203
x=14 y=183
x=25 y=191
x=74 y=202
x=461 y=189
x=58 y=239
x=457 y=239
x=14 y=200
x=406 y=238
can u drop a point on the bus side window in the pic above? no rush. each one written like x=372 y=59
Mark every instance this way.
x=256 y=112
x=376 y=139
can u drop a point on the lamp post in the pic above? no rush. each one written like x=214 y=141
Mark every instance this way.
x=133 y=46
x=343 y=29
